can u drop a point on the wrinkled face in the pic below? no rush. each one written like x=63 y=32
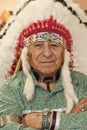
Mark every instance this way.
x=46 y=57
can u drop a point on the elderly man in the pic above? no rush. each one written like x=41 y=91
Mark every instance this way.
x=45 y=94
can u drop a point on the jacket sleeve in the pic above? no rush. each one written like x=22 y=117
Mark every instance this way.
x=11 y=103
x=76 y=121
x=15 y=126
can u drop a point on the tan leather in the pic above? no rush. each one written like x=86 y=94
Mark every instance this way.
x=9 y=118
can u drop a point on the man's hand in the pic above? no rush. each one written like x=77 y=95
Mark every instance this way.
x=33 y=120
x=80 y=107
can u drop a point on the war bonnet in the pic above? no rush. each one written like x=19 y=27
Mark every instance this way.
x=63 y=18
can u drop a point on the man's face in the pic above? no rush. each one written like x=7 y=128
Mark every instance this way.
x=46 y=57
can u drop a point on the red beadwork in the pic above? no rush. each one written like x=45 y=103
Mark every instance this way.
x=15 y=61
x=48 y=25
x=25 y=32
x=13 y=67
x=18 y=48
x=11 y=72
x=17 y=55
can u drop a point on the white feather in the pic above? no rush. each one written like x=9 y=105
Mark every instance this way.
x=67 y=84
x=29 y=85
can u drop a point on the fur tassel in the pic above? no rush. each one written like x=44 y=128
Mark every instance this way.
x=29 y=85
x=67 y=84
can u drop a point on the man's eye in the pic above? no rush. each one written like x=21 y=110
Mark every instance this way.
x=38 y=45
x=54 y=45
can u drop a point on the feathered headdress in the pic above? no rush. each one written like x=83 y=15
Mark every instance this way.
x=63 y=18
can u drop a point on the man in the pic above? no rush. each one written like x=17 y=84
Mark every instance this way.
x=46 y=94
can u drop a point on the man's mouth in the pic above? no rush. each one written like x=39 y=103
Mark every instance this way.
x=47 y=61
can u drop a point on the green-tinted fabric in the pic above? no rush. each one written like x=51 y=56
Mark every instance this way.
x=12 y=101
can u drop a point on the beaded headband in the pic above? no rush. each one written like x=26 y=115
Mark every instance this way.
x=44 y=36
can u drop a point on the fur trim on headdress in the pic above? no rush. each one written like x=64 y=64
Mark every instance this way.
x=29 y=85
x=70 y=95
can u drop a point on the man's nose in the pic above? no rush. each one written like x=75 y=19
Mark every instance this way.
x=47 y=51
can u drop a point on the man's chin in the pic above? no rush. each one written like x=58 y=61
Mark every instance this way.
x=48 y=71
x=47 y=74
